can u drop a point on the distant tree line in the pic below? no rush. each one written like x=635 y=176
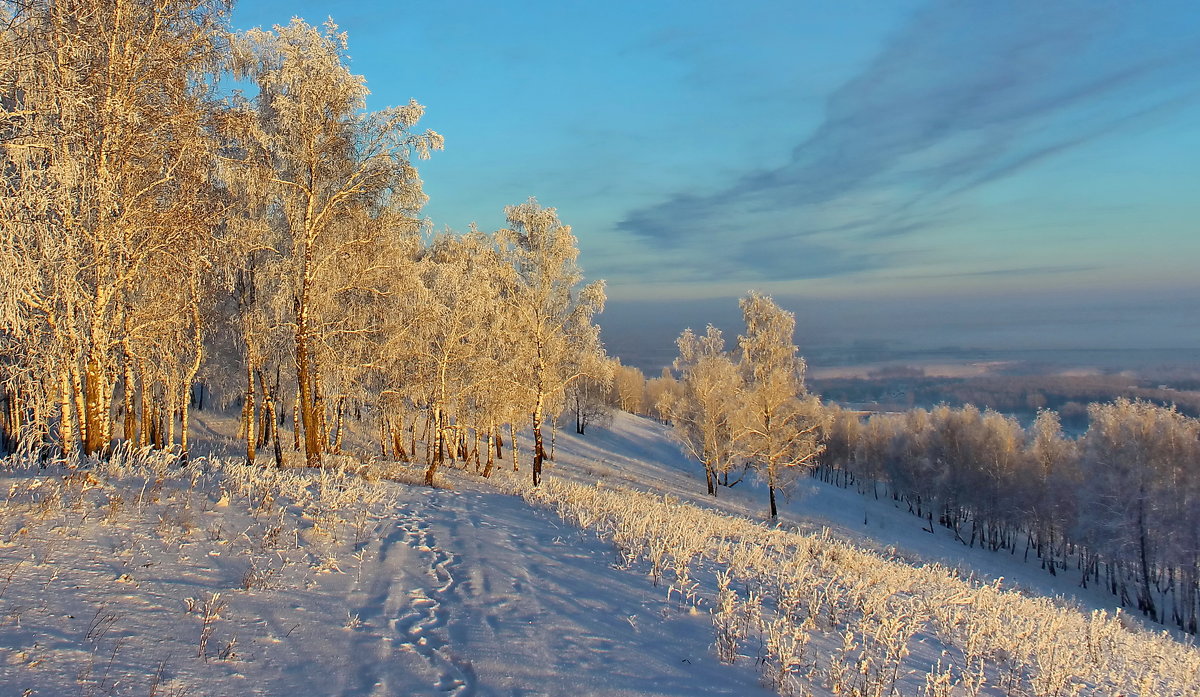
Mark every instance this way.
x=1118 y=506
x=164 y=237
x=1069 y=395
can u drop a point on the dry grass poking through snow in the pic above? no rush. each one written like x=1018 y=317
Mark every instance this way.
x=145 y=575
x=819 y=616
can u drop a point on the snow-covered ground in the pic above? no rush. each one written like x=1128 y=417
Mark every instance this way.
x=146 y=579
x=639 y=453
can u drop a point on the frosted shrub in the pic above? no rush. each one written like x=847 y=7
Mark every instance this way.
x=939 y=682
x=840 y=675
x=787 y=648
x=209 y=611
x=260 y=486
x=1021 y=645
x=127 y=460
x=1056 y=674
x=683 y=583
x=1103 y=639
x=259 y=576
x=690 y=544
x=883 y=632
x=658 y=550
x=729 y=620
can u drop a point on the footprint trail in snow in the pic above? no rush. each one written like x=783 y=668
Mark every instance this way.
x=424 y=627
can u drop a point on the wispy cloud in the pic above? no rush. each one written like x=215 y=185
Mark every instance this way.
x=966 y=94
x=1018 y=272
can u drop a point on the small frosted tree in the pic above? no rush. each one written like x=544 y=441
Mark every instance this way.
x=454 y=329
x=702 y=416
x=661 y=394
x=1053 y=472
x=630 y=385
x=588 y=404
x=778 y=424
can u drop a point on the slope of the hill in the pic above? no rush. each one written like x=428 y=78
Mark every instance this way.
x=142 y=576
x=639 y=453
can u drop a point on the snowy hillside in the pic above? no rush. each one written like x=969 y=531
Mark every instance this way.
x=639 y=453
x=144 y=577
x=141 y=579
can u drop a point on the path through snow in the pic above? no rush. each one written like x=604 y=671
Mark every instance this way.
x=490 y=597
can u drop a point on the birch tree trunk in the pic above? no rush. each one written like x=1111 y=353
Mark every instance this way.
x=249 y=416
x=172 y=408
x=491 y=453
x=539 y=453
x=338 y=424
x=129 y=424
x=273 y=424
x=66 y=422
x=512 y=445
x=145 y=402
x=94 y=403
x=307 y=399
x=296 y=423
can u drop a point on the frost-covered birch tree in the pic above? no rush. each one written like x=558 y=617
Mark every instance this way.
x=588 y=402
x=630 y=385
x=1053 y=477
x=457 y=322
x=778 y=424
x=661 y=394
x=703 y=414
x=549 y=313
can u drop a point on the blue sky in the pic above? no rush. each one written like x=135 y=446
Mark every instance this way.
x=853 y=151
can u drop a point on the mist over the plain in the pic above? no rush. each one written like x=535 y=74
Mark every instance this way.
x=1111 y=330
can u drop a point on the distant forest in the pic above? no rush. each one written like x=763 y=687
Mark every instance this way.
x=899 y=388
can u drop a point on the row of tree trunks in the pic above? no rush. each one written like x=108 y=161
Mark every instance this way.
x=150 y=415
x=485 y=447
x=82 y=403
x=1161 y=593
